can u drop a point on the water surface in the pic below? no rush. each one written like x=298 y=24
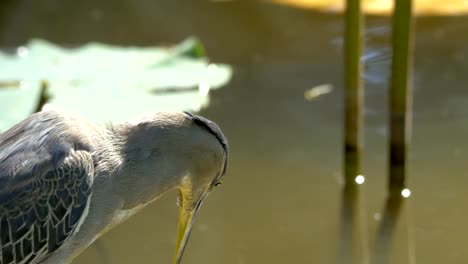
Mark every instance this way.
x=281 y=199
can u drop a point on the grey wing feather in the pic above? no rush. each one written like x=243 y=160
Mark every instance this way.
x=44 y=190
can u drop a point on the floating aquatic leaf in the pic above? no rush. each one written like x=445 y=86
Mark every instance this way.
x=17 y=102
x=108 y=83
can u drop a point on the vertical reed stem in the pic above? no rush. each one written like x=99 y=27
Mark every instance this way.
x=353 y=227
x=353 y=90
x=400 y=95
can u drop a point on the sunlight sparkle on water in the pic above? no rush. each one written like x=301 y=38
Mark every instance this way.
x=377 y=216
x=406 y=193
x=360 y=179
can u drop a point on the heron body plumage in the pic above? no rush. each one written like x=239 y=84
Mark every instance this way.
x=64 y=181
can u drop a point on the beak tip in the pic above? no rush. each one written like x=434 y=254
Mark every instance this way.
x=187 y=216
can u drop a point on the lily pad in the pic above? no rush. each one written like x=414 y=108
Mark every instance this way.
x=17 y=101
x=107 y=83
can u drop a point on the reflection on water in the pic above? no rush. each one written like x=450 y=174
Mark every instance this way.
x=353 y=239
x=282 y=200
x=392 y=215
x=377 y=53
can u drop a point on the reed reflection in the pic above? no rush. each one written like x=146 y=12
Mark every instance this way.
x=353 y=245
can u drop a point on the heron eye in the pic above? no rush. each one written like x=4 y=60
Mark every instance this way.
x=218 y=183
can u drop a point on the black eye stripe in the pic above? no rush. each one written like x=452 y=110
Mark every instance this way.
x=214 y=129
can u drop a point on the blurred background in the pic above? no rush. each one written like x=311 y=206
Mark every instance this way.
x=270 y=73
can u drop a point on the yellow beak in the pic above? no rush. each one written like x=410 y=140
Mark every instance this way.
x=188 y=213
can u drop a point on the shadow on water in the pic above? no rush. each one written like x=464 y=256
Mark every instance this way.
x=353 y=245
x=396 y=210
x=386 y=230
x=396 y=219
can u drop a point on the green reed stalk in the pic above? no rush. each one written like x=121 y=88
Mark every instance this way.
x=400 y=95
x=353 y=246
x=353 y=90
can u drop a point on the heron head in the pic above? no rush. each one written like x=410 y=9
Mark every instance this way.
x=175 y=151
x=208 y=172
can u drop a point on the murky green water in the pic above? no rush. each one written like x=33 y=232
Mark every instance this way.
x=281 y=200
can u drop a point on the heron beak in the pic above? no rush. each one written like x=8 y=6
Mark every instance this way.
x=189 y=209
